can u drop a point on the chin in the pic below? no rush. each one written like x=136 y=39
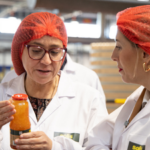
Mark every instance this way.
x=42 y=81
x=126 y=80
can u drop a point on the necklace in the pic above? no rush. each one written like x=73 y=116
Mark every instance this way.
x=56 y=80
x=56 y=85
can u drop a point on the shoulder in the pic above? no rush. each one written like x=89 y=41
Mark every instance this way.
x=79 y=88
x=11 y=87
x=84 y=69
x=86 y=87
x=86 y=75
x=87 y=92
x=9 y=76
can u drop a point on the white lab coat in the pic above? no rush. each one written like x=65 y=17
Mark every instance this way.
x=76 y=71
x=111 y=132
x=73 y=109
x=83 y=74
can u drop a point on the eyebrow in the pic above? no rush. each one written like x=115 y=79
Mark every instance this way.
x=53 y=45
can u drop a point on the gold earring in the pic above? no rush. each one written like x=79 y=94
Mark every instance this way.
x=144 y=66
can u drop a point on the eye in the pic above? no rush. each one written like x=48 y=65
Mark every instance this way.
x=118 y=47
x=55 y=52
x=36 y=51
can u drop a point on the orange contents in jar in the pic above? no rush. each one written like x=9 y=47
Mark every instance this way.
x=21 y=123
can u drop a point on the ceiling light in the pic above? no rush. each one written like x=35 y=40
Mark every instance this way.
x=143 y=0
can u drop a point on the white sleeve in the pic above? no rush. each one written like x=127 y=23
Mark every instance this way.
x=98 y=108
x=100 y=88
x=96 y=83
x=100 y=137
x=2 y=97
x=9 y=76
x=1 y=138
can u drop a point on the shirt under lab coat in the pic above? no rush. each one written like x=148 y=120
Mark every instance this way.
x=72 y=111
x=111 y=131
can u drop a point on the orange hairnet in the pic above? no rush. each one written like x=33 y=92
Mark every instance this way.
x=35 y=26
x=134 y=23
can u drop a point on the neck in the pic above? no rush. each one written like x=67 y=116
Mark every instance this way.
x=145 y=81
x=42 y=91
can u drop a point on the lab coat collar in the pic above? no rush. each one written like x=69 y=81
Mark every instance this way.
x=119 y=125
x=69 y=67
x=146 y=96
x=16 y=85
x=145 y=111
x=126 y=111
x=65 y=87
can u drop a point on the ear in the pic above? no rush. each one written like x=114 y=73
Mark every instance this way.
x=146 y=57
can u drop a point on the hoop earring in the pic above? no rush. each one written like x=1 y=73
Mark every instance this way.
x=144 y=67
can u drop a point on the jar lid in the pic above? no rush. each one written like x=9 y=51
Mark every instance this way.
x=20 y=97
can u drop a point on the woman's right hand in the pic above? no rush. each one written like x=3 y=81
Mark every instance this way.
x=6 y=112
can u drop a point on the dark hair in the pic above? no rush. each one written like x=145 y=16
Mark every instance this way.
x=64 y=63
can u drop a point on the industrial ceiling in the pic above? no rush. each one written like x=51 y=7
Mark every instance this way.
x=105 y=6
x=67 y=6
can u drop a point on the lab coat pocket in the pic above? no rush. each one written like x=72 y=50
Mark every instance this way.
x=76 y=134
x=136 y=142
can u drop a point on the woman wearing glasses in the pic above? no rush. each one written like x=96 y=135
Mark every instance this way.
x=61 y=111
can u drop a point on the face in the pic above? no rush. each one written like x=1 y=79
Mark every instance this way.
x=129 y=59
x=44 y=70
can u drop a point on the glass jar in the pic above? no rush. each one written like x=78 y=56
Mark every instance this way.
x=21 y=123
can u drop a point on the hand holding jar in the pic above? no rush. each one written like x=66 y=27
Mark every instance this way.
x=33 y=141
x=7 y=109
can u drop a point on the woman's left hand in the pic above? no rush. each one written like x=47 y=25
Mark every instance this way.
x=34 y=141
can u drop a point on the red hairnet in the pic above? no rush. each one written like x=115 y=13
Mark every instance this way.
x=35 y=26
x=134 y=23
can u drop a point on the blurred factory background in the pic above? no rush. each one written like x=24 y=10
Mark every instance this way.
x=91 y=30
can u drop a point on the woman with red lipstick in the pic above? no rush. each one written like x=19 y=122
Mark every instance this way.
x=61 y=111
x=128 y=127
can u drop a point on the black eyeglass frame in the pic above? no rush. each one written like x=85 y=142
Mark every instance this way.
x=28 y=46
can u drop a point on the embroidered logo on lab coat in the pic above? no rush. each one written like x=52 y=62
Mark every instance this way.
x=73 y=136
x=134 y=146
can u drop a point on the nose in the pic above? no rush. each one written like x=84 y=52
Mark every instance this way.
x=46 y=59
x=114 y=56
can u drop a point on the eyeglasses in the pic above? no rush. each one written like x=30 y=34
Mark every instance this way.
x=37 y=53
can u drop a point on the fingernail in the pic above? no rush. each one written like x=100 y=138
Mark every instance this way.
x=16 y=141
x=11 y=118
x=21 y=136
